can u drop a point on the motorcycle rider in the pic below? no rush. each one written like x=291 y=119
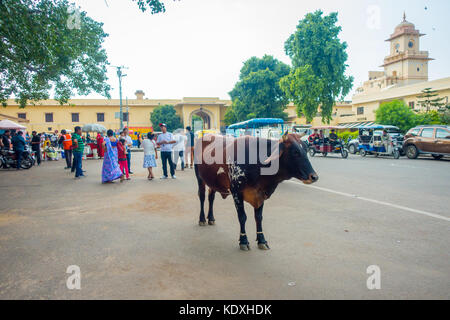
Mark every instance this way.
x=18 y=143
x=333 y=137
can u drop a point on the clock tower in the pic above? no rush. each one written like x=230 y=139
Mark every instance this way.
x=406 y=64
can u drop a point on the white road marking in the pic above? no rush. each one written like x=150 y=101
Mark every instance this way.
x=425 y=213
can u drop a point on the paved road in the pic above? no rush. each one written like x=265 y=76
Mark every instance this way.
x=140 y=239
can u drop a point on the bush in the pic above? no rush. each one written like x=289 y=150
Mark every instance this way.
x=344 y=135
x=396 y=113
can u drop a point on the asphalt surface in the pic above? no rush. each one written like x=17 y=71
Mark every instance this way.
x=141 y=240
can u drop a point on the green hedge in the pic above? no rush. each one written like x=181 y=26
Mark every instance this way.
x=345 y=134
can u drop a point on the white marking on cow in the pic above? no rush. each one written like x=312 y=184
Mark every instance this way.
x=235 y=172
x=220 y=171
x=425 y=213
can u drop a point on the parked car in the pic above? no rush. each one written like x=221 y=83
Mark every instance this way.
x=432 y=139
x=394 y=132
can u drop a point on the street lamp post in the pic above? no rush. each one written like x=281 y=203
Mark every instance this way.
x=120 y=75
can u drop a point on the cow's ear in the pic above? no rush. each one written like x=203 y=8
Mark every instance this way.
x=276 y=153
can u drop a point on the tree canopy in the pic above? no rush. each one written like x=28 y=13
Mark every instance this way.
x=397 y=113
x=46 y=46
x=257 y=94
x=318 y=57
x=165 y=114
x=156 y=6
x=431 y=100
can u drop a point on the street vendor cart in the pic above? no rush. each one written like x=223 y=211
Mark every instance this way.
x=91 y=147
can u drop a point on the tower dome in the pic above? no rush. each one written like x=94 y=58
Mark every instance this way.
x=405 y=25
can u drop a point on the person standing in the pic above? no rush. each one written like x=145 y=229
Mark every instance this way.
x=100 y=150
x=66 y=142
x=18 y=143
x=138 y=135
x=78 y=147
x=129 y=144
x=6 y=139
x=189 y=147
x=110 y=167
x=36 y=146
x=165 y=142
x=150 y=154
x=123 y=163
x=178 y=149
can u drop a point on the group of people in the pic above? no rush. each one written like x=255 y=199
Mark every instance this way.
x=318 y=136
x=16 y=142
x=115 y=149
x=117 y=153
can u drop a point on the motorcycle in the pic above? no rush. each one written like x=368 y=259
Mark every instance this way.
x=8 y=159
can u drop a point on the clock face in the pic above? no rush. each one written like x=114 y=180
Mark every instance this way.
x=411 y=44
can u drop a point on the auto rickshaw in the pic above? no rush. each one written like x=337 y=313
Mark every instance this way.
x=324 y=145
x=372 y=141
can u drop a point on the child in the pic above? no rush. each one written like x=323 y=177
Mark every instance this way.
x=150 y=154
x=122 y=158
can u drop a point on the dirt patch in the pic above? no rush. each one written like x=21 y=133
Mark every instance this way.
x=160 y=203
x=7 y=218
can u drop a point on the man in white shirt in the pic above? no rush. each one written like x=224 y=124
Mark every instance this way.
x=165 y=141
x=178 y=149
x=129 y=144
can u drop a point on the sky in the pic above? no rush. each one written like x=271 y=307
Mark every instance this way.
x=197 y=47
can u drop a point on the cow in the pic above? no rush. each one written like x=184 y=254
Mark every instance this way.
x=219 y=165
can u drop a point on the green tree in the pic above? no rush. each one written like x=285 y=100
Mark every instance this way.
x=396 y=113
x=166 y=114
x=257 y=94
x=45 y=46
x=318 y=57
x=156 y=6
x=430 y=101
x=444 y=113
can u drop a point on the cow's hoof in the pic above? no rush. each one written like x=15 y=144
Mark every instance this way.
x=211 y=222
x=202 y=223
x=263 y=246
x=244 y=247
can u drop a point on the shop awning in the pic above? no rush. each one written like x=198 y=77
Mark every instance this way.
x=355 y=125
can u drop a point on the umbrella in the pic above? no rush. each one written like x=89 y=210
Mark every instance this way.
x=94 y=127
x=8 y=124
x=178 y=131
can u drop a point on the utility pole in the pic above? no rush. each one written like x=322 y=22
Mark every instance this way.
x=128 y=115
x=120 y=75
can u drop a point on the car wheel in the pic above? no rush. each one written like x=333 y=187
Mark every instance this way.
x=437 y=156
x=352 y=149
x=344 y=154
x=412 y=152
x=362 y=152
x=396 y=154
x=312 y=152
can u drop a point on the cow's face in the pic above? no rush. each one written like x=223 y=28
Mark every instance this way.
x=295 y=158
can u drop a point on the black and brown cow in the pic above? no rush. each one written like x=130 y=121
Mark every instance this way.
x=234 y=167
